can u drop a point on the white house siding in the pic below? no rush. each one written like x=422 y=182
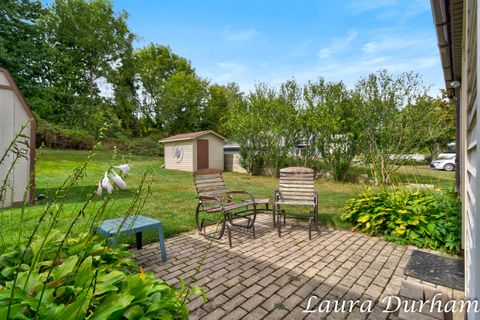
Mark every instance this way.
x=186 y=163
x=3 y=80
x=13 y=117
x=469 y=158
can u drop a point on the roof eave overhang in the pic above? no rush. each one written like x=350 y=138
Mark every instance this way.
x=193 y=138
x=448 y=21
x=175 y=140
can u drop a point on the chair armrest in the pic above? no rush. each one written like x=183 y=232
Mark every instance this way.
x=202 y=198
x=238 y=191
x=242 y=192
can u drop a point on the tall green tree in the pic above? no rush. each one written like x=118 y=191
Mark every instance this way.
x=265 y=126
x=89 y=39
x=390 y=125
x=23 y=50
x=440 y=130
x=331 y=126
x=183 y=103
x=222 y=99
x=126 y=101
x=155 y=64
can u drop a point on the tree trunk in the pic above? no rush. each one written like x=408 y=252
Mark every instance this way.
x=435 y=150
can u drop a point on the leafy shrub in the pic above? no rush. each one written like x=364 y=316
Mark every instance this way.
x=56 y=137
x=427 y=218
x=317 y=165
x=146 y=146
x=81 y=278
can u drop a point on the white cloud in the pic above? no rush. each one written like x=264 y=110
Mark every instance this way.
x=392 y=43
x=360 y=6
x=301 y=49
x=393 y=11
x=337 y=45
x=232 y=35
x=230 y=71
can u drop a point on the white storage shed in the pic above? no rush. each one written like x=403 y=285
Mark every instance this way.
x=194 y=151
x=14 y=115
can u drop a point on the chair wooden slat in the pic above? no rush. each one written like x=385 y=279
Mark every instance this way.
x=213 y=193
x=296 y=193
x=210 y=185
x=208 y=179
x=298 y=203
x=296 y=187
x=309 y=179
x=289 y=197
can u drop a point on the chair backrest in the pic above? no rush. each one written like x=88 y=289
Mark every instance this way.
x=209 y=182
x=297 y=184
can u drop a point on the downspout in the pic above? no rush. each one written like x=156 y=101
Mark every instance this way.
x=457 y=146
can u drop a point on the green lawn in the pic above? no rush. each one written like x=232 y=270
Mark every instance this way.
x=172 y=199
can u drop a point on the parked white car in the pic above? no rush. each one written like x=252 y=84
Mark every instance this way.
x=445 y=161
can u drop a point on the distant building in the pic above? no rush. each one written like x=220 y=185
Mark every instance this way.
x=231 y=147
x=232 y=157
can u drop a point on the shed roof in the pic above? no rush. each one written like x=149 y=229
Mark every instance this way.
x=190 y=136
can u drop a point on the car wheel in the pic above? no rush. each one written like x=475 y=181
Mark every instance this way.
x=449 y=167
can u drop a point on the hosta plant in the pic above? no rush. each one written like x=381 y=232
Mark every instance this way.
x=88 y=279
x=424 y=218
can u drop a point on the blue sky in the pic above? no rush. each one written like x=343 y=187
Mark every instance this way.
x=275 y=40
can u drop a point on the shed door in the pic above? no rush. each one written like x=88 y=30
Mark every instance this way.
x=202 y=154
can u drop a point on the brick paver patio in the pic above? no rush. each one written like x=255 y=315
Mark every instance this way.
x=272 y=278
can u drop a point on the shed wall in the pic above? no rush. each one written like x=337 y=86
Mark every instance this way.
x=215 y=151
x=186 y=163
x=12 y=119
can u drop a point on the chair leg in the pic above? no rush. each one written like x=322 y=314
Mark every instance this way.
x=310 y=228
x=204 y=233
x=253 y=230
x=273 y=215
x=254 y=214
x=279 y=224
x=198 y=222
x=284 y=217
x=229 y=233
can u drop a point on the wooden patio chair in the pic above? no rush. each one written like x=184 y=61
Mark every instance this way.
x=214 y=198
x=296 y=188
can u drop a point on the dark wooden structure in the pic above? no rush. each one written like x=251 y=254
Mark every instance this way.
x=296 y=188
x=215 y=199
x=202 y=154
